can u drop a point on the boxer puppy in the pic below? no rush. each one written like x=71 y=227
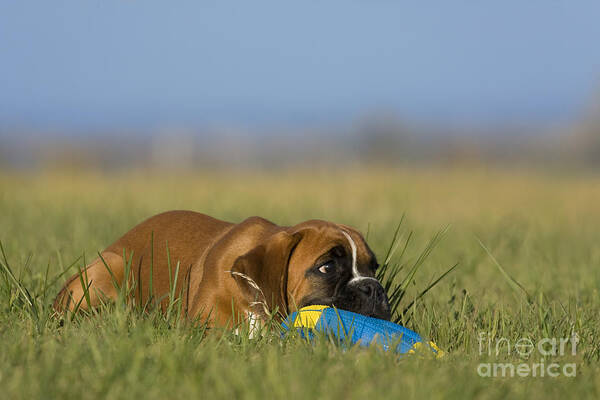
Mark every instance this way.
x=252 y=269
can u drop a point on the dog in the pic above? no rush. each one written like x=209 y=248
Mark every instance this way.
x=217 y=270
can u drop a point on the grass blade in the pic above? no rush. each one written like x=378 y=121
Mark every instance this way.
x=516 y=286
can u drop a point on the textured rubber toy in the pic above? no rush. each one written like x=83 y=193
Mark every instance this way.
x=358 y=329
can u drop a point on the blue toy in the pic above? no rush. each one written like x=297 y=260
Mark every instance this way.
x=358 y=329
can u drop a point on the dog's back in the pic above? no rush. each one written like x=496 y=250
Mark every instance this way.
x=171 y=238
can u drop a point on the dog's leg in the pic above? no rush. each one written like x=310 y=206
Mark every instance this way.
x=97 y=280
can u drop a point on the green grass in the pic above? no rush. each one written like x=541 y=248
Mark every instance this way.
x=526 y=245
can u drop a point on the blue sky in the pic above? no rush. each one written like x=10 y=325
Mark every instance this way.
x=107 y=63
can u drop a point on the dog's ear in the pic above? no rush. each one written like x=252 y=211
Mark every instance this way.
x=262 y=273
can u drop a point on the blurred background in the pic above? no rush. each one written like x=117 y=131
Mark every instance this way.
x=119 y=85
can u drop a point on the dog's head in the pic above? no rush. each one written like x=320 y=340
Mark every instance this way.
x=315 y=262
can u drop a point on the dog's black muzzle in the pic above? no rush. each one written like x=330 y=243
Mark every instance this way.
x=364 y=296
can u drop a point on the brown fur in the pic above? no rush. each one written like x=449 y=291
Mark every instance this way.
x=221 y=265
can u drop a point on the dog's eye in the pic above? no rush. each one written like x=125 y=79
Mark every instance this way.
x=326 y=268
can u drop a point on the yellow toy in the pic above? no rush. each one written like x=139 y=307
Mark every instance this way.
x=357 y=328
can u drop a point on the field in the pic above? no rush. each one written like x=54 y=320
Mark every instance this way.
x=505 y=229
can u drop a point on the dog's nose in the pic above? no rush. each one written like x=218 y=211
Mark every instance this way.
x=368 y=298
x=372 y=290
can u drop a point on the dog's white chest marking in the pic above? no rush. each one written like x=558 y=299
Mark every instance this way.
x=254 y=325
